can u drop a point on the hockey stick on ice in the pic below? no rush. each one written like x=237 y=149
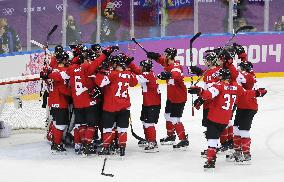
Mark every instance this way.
x=191 y=61
x=133 y=133
x=134 y=40
x=103 y=169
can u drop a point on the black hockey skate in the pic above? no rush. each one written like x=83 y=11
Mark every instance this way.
x=204 y=153
x=209 y=166
x=122 y=151
x=88 y=149
x=246 y=159
x=58 y=149
x=114 y=148
x=152 y=147
x=78 y=148
x=104 y=151
x=142 y=143
x=183 y=144
x=236 y=156
x=224 y=147
x=169 y=140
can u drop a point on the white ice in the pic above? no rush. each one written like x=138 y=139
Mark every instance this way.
x=27 y=157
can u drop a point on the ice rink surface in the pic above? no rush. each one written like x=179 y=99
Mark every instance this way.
x=26 y=157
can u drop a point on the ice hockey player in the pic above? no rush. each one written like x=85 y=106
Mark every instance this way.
x=213 y=65
x=223 y=95
x=58 y=100
x=246 y=109
x=210 y=76
x=116 y=105
x=97 y=48
x=58 y=50
x=151 y=103
x=85 y=107
x=176 y=97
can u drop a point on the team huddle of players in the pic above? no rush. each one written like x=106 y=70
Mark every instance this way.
x=96 y=82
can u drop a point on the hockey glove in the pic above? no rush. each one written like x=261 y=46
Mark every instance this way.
x=153 y=55
x=110 y=50
x=164 y=75
x=260 y=92
x=95 y=93
x=45 y=73
x=115 y=48
x=196 y=70
x=195 y=90
x=198 y=103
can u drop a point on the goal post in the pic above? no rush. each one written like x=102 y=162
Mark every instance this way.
x=20 y=103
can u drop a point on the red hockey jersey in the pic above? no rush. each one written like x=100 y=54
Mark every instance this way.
x=176 y=89
x=248 y=81
x=58 y=89
x=150 y=87
x=81 y=82
x=224 y=96
x=116 y=85
x=210 y=77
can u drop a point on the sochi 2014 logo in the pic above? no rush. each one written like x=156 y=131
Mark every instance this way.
x=8 y=11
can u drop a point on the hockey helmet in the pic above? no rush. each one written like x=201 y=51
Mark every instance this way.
x=58 y=49
x=146 y=65
x=96 y=47
x=171 y=53
x=64 y=56
x=224 y=73
x=238 y=48
x=246 y=66
x=118 y=61
x=211 y=59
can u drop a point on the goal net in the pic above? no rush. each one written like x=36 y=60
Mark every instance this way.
x=21 y=104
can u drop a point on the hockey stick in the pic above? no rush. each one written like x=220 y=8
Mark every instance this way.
x=45 y=53
x=133 y=133
x=103 y=169
x=51 y=32
x=246 y=27
x=191 y=61
x=134 y=40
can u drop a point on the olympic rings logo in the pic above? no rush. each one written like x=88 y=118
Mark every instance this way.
x=8 y=11
x=59 y=7
x=117 y=4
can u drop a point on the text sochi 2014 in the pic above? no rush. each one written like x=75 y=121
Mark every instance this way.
x=256 y=54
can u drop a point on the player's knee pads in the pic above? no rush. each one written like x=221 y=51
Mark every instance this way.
x=213 y=143
x=121 y=130
x=236 y=131
x=60 y=127
x=147 y=125
x=175 y=120
x=107 y=130
x=167 y=116
x=244 y=133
